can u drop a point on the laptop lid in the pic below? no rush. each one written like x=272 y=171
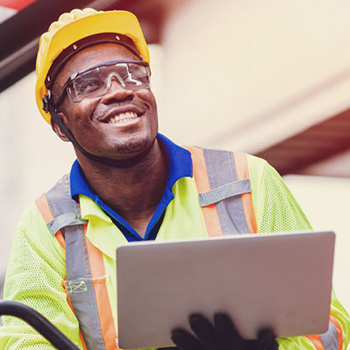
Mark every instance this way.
x=279 y=280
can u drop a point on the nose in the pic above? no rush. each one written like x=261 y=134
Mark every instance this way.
x=117 y=91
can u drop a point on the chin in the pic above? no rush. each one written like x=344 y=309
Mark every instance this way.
x=130 y=148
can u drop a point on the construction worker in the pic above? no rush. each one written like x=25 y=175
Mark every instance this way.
x=129 y=183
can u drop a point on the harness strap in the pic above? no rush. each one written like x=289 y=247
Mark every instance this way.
x=104 y=310
x=224 y=191
x=45 y=211
x=85 y=286
x=210 y=212
x=80 y=288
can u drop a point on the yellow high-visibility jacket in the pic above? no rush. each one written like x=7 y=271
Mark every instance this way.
x=37 y=270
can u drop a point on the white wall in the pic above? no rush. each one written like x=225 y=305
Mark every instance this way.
x=338 y=164
x=32 y=158
x=325 y=201
x=246 y=74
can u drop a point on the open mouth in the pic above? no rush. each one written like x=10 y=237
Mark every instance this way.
x=122 y=118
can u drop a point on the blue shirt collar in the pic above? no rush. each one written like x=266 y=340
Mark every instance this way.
x=179 y=161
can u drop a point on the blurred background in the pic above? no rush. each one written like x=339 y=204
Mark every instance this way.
x=271 y=78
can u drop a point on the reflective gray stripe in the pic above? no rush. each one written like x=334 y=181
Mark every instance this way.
x=80 y=287
x=62 y=206
x=67 y=217
x=330 y=338
x=221 y=170
x=226 y=191
x=63 y=220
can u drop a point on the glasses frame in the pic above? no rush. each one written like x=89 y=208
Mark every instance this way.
x=109 y=63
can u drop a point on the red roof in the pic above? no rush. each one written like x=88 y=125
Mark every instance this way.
x=16 y=4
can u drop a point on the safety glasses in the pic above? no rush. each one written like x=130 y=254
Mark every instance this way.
x=96 y=81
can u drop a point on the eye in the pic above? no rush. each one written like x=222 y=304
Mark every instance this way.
x=138 y=72
x=137 y=77
x=90 y=86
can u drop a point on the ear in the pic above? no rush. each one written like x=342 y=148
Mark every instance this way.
x=58 y=130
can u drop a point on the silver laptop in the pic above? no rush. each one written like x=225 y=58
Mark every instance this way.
x=279 y=280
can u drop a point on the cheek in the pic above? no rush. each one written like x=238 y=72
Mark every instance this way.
x=81 y=112
x=148 y=96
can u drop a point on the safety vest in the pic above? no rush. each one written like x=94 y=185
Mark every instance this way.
x=222 y=180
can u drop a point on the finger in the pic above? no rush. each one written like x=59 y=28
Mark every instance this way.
x=267 y=340
x=206 y=332
x=251 y=345
x=185 y=341
x=228 y=332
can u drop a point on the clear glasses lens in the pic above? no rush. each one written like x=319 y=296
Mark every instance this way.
x=97 y=81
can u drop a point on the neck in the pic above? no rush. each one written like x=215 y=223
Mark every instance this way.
x=134 y=190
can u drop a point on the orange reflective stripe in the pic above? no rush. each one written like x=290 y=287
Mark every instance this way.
x=60 y=238
x=44 y=208
x=82 y=341
x=337 y=325
x=242 y=174
x=45 y=211
x=316 y=341
x=98 y=271
x=202 y=182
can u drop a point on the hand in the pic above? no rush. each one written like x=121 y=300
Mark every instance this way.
x=222 y=336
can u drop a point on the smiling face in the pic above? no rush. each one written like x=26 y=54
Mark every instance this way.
x=118 y=125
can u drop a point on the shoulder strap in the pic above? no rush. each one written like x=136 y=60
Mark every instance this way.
x=86 y=289
x=58 y=209
x=222 y=180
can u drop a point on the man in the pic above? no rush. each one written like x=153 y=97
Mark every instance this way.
x=129 y=183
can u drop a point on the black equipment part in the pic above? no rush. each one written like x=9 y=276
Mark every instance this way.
x=39 y=323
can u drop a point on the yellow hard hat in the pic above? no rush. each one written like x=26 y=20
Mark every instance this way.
x=74 y=26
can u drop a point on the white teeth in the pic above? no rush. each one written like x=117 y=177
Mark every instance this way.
x=123 y=117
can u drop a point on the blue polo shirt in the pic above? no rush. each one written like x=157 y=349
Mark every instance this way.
x=180 y=165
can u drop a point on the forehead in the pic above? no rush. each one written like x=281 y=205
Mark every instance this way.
x=92 y=56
